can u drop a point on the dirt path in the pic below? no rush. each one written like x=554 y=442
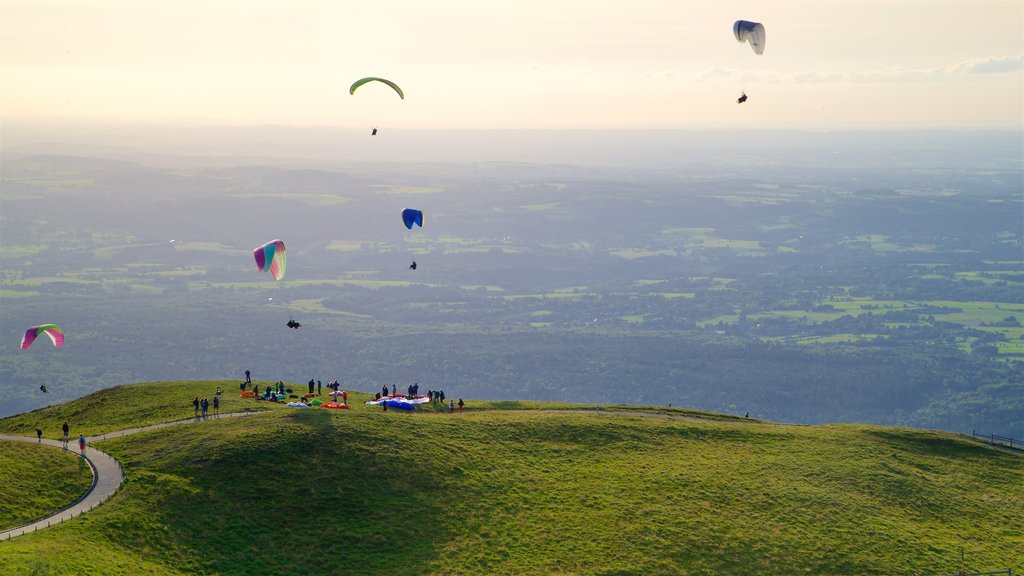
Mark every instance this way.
x=107 y=474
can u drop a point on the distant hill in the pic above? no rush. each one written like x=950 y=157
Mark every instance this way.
x=519 y=488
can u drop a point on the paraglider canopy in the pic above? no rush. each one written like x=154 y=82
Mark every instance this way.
x=412 y=216
x=750 y=32
x=358 y=83
x=271 y=257
x=52 y=330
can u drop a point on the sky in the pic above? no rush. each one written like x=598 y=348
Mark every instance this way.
x=525 y=64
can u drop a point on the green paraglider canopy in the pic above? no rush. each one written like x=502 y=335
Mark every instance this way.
x=358 y=83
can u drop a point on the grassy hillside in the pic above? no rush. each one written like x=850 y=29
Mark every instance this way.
x=37 y=480
x=527 y=492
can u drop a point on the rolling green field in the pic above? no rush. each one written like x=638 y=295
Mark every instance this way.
x=520 y=488
x=38 y=480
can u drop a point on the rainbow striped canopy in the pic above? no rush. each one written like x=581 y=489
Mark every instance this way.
x=271 y=257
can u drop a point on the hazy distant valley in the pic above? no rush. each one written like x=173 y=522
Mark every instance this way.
x=807 y=278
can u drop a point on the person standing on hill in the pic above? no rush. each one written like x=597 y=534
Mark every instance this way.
x=216 y=405
x=344 y=397
x=451 y=407
x=39 y=435
x=81 y=444
x=65 y=429
x=319 y=388
x=205 y=405
x=460 y=405
x=384 y=390
x=248 y=379
x=195 y=406
x=311 y=383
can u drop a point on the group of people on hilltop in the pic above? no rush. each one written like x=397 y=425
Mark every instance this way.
x=278 y=392
x=204 y=406
x=315 y=387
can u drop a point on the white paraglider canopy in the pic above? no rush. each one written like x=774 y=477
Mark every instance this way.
x=750 y=32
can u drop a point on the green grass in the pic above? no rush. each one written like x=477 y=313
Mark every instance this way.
x=37 y=480
x=315 y=200
x=132 y=405
x=969 y=314
x=521 y=488
x=18 y=293
x=346 y=245
x=21 y=250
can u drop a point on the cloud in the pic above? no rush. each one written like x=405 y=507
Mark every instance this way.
x=997 y=65
x=992 y=65
x=715 y=72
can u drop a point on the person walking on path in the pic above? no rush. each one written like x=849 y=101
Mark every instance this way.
x=205 y=405
x=216 y=405
x=460 y=405
x=451 y=407
x=65 y=429
x=195 y=406
x=39 y=435
x=81 y=444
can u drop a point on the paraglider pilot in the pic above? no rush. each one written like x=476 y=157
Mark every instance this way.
x=742 y=98
x=373 y=132
x=293 y=324
x=43 y=388
x=413 y=265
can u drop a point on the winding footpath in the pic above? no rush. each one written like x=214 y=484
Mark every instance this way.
x=107 y=475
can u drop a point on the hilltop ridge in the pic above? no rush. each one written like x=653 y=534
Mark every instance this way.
x=503 y=491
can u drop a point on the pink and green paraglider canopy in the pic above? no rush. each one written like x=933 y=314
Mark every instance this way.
x=51 y=330
x=271 y=257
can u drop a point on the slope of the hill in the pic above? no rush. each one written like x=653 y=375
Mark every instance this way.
x=37 y=480
x=524 y=491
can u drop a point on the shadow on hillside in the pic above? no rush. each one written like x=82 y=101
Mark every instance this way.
x=930 y=443
x=305 y=493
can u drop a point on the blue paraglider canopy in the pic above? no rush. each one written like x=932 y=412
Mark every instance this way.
x=411 y=216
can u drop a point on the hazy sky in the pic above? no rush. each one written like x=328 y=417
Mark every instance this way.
x=516 y=64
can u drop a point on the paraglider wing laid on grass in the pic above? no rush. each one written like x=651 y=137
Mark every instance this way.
x=750 y=32
x=270 y=257
x=412 y=216
x=52 y=330
x=360 y=82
